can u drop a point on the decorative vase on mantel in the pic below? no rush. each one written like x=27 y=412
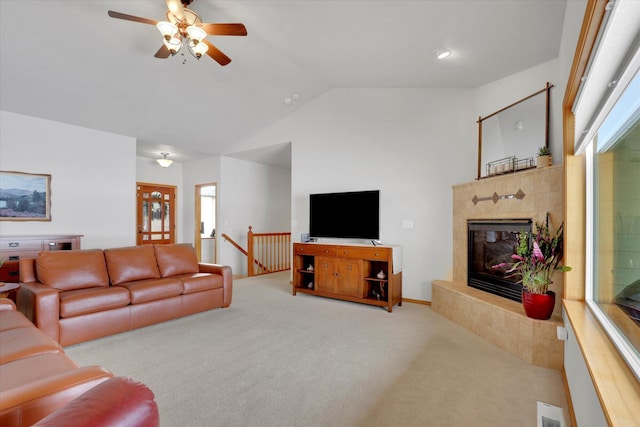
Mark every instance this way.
x=538 y=306
x=544 y=157
x=543 y=161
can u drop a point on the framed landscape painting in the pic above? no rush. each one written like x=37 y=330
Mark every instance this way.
x=25 y=196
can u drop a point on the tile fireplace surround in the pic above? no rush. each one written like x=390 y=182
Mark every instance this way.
x=496 y=319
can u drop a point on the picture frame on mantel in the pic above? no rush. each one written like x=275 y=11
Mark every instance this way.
x=25 y=196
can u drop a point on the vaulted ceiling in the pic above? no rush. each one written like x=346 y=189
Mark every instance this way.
x=69 y=61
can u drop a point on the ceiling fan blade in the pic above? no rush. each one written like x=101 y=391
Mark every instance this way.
x=225 y=29
x=126 y=17
x=216 y=54
x=163 y=52
x=176 y=8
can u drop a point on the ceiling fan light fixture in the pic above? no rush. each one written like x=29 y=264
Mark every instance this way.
x=196 y=33
x=163 y=161
x=174 y=44
x=198 y=49
x=167 y=29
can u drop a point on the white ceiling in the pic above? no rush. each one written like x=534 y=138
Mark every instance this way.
x=68 y=61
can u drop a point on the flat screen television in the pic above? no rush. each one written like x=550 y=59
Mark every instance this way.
x=350 y=215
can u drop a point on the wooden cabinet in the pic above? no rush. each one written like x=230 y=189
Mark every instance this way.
x=14 y=248
x=349 y=272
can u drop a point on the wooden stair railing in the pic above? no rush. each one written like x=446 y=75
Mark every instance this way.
x=271 y=252
x=267 y=252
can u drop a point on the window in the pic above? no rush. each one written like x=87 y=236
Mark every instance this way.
x=613 y=223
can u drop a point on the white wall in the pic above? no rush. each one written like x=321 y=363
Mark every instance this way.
x=250 y=194
x=149 y=171
x=92 y=177
x=586 y=405
x=411 y=144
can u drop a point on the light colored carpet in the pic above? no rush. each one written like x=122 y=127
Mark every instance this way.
x=272 y=359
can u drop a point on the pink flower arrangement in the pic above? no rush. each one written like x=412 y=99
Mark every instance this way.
x=538 y=255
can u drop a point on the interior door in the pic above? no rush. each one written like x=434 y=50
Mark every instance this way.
x=156 y=213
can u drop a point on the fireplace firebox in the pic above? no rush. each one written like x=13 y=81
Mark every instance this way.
x=492 y=242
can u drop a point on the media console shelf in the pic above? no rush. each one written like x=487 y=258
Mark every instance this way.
x=14 y=248
x=358 y=273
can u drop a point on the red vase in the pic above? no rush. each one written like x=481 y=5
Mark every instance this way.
x=538 y=306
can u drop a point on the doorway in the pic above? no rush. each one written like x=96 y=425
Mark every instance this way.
x=156 y=214
x=205 y=233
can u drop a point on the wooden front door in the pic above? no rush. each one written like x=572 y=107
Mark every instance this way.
x=156 y=213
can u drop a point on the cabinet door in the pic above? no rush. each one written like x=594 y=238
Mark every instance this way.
x=325 y=274
x=349 y=277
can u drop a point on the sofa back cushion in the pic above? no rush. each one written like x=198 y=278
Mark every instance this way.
x=175 y=259
x=131 y=263
x=67 y=270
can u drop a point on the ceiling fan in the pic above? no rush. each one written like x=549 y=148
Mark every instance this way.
x=185 y=25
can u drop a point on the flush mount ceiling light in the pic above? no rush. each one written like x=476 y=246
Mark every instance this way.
x=442 y=53
x=163 y=161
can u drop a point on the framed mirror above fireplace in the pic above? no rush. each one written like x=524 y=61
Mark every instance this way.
x=509 y=139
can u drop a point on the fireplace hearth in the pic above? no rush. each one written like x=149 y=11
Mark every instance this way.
x=492 y=242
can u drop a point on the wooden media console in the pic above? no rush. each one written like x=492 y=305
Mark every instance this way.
x=358 y=273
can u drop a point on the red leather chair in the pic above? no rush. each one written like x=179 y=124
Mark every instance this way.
x=116 y=402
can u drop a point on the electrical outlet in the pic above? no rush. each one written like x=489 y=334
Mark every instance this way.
x=407 y=223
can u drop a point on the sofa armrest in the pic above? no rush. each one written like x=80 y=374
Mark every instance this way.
x=116 y=402
x=7 y=304
x=41 y=305
x=31 y=402
x=227 y=278
x=27 y=270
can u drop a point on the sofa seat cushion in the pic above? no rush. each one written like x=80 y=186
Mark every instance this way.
x=198 y=282
x=148 y=290
x=174 y=259
x=92 y=300
x=22 y=372
x=12 y=320
x=24 y=342
x=131 y=263
x=67 y=270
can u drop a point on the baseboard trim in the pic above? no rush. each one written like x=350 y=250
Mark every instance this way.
x=567 y=391
x=416 y=301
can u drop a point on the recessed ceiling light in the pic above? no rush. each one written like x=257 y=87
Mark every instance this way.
x=442 y=53
x=291 y=99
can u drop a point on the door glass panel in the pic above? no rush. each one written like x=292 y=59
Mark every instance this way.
x=156 y=221
x=167 y=216
x=156 y=195
x=156 y=237
x=145 y=216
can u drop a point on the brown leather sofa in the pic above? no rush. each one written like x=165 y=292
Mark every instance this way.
x=40 y=384
x=76 y=296
x=36 y=377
